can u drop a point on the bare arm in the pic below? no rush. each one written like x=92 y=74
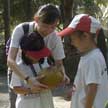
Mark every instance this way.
x=60 y=66
x=11 y=62
x=25 y=90
x=91 y=91
x=21 y=90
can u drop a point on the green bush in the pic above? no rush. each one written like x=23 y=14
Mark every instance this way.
x=106 y=104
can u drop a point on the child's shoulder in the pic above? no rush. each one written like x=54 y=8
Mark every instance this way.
x=93 y=56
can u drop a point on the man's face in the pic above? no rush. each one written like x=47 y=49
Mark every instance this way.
x=46 y=29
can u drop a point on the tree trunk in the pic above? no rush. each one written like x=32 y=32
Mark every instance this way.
x=28 y=10
x=72 y=58
x=6 y=16
x=67 y=10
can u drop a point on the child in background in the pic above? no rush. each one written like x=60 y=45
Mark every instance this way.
x=90 y=89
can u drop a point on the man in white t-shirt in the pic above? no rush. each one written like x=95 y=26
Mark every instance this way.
x=46 y=20
x=27 y=97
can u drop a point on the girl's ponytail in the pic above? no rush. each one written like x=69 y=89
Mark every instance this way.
x=101 y=44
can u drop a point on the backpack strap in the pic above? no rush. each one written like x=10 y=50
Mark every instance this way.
x=7 y=46
x=33 y=70
x=25 y=28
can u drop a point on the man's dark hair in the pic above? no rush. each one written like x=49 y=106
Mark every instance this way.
x=48 y=13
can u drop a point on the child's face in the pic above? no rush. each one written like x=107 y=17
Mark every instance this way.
x=79 y=41
x=45 y=29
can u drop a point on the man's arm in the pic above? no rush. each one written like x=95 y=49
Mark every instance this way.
x=25 y=90
x=59 y=64
x=11 y=62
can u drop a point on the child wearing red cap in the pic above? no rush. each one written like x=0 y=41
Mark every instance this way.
x=90 y=89
x=45 y=22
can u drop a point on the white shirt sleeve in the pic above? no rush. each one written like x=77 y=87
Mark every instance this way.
x=92 y=72
x=58 y=52
x=16 y=36
x=54 y=43
x=15 y=80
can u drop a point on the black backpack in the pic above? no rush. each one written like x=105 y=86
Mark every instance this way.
x=25 y=27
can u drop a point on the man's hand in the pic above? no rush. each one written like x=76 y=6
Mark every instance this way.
x=66 y=79
x=35 y=84
x=38 y=87
x=59 y=66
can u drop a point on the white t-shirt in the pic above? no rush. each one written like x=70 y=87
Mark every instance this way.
x=54 y=43
x=91 y=69
x=39 y=100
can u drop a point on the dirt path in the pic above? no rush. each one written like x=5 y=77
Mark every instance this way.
x=59 y=101
x=4 y=98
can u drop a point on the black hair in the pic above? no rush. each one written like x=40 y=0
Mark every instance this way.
x=25 y=59
x=31 y=42
x=48 y=13
x=101 y=44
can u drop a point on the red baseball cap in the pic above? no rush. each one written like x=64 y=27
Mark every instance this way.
x=45 y=52
x=82 y=22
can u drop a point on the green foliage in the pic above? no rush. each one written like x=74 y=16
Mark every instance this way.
x=88 y=2
x=20 y=8
x=102 y=2
x=106 y=104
